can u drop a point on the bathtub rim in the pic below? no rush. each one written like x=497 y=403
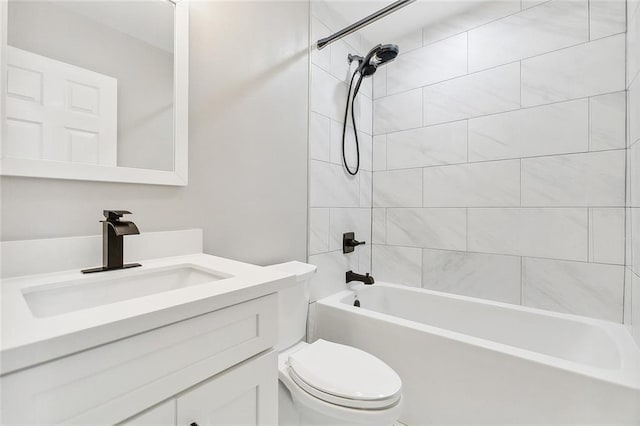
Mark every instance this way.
x=626 y=375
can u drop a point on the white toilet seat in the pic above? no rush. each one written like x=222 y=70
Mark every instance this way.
x=344 y=415
x=345 y=376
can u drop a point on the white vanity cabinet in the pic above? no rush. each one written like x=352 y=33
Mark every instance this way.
x=245 y=395
x=212 y=369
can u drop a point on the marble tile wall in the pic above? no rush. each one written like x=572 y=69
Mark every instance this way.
x=499 y=157
x=632 y=273
x=338 y=202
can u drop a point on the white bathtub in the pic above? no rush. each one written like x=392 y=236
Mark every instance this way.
x=469 y=361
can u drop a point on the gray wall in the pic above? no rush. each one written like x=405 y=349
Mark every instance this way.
x=247 y=149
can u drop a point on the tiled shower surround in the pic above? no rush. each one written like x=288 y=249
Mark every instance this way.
x=498 y=159
x=338 y=202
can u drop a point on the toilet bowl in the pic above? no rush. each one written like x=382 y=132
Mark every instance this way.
x=326 y=383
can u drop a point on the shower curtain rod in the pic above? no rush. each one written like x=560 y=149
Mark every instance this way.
x=363 y=22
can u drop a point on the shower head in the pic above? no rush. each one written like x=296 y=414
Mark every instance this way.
x=379 y=55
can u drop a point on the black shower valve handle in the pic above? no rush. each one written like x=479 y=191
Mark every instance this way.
x=349 y=242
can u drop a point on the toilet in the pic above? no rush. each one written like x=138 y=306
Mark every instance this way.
x=326 y=383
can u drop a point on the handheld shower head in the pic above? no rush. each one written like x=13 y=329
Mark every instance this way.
x=379 y=55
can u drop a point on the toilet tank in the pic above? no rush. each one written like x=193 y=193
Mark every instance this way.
x=293 y=304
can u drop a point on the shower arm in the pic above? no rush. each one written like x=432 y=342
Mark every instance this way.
x=363 y=22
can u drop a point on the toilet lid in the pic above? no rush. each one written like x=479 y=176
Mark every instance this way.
x=346 y=373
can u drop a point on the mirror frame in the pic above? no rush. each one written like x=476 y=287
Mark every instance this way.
x=92 y=172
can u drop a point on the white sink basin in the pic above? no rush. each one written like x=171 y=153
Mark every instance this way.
x=103 y=288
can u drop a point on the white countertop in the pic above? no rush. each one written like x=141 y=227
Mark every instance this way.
x=27 y=340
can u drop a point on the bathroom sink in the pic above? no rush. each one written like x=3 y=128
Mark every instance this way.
x=66 y=296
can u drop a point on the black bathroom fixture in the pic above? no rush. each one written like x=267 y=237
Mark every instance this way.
x=367 y=66
x=113 y=232
x=349 y=242
x=366 y=278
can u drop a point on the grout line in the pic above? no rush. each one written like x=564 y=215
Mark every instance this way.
x=430 y=166
x=498 y=254
x=522 y=289
x=492 y=113
x=506 y=64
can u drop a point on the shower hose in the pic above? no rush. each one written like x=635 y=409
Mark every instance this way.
x=353 y=120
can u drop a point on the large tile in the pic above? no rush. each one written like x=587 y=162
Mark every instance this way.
x=468 y=17
x=560 y=233
x=607 y=235
x=330 y=277
x=364 y=109
x=340 y=67
x=635 y=240
x=398 y=188
x=607 y=121
x=488 y=276
x=490 y=184
x=591 y=179
x=549 y=129
x=379 y=153
x=318 y=230
x=410 y=41
x=427 y=228
x=319 y=137
x=633 y=46
x=634 y=111
x=366 y=188
x=328 y=94
x=349 y=220
x=427 y=146
x=380 y=83
x=551 y=26
x=606 y=17
x=331 y=186
x=589 y=289
x=588 y=69
x=482 y=93
x=398 y=265
x=379 y=226
x=430 y=64
x=321 y=58
x=633 y=155
x=351 y=153
x=397 y=112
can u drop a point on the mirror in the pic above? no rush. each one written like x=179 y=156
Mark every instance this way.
x=95 y=90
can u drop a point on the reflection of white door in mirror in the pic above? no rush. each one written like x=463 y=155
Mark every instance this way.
x=95 y=90
x=60 y=112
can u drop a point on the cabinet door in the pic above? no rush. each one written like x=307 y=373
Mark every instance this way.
x=161 y=415
x=244 y=395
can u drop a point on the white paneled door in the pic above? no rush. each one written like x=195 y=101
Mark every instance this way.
x=59 y=112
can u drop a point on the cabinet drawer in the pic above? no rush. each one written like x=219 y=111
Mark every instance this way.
x=110 y=383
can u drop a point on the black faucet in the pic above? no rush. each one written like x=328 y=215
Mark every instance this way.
x=366 y=279
x=349 y=242
x=113 y=232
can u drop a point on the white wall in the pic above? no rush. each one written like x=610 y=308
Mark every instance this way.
x=632 y=296
x=247 y=149
x=338 y=202
x=499 y=158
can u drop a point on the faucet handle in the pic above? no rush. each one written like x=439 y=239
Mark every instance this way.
x=114 y=214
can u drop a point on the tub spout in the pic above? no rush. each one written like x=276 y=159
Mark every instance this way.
x=366 y=278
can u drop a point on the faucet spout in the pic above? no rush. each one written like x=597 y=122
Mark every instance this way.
x=366 y=278
x=113 y=232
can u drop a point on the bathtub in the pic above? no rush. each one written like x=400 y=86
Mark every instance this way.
x=469 y=361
